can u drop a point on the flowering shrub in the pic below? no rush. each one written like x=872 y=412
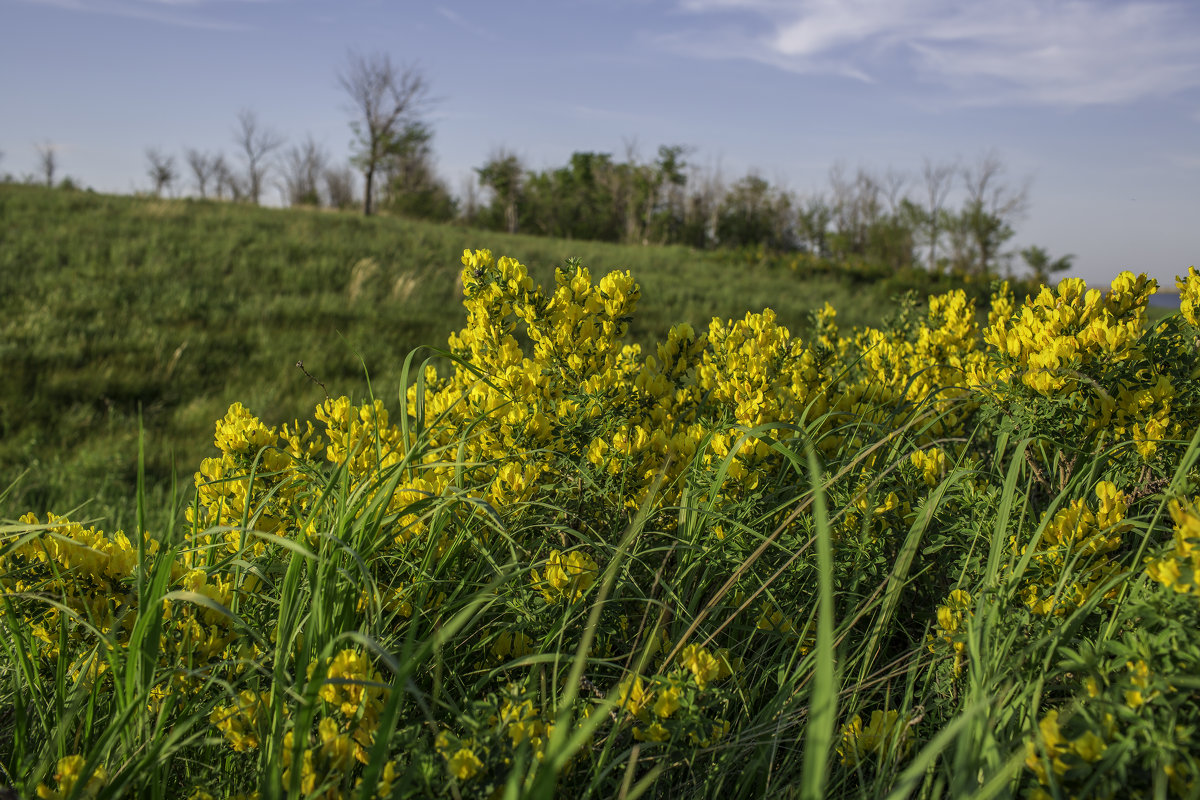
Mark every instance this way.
x=562 y=564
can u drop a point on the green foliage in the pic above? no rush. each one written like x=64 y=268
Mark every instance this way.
x=412 y=189
x=1038 y=260
x=868 y=223
x=503 y=174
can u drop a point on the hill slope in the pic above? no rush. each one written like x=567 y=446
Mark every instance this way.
x=113 y=304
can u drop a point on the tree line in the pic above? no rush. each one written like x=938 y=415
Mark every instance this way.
x=884 y=222
x=878 y=222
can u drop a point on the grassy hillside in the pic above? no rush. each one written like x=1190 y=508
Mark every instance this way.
x=178 y=307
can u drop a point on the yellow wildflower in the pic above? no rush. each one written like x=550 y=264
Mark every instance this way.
x=464 y=764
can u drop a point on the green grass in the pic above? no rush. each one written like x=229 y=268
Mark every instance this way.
x=118 y=308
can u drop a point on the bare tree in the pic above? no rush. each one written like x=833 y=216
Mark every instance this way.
x=339 y=187
x=256 y=143
x=623 y=182
x=303 y=166
x=504 y=175
x=813 y=216
x=938 y=181
x=469 y=198
x=702 y=208
x=385 y=98
x=47 y=161
x=204 y=169
x=983 y=186
x=695 y=200
x=856 y=206
x=161 y=170
x=893 y=188
x=227 y=184
x=671 y=176
x=960 y=243
x=992 y=208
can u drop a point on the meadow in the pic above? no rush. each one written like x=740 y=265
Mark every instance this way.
x=119 y=309
x=587 y=544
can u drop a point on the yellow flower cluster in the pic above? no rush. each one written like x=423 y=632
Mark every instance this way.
x=1126 y=707
x=575 y=370
x=933 y=362
x=951 y=624
x=1060 y=751
x=233 y=489
x=932 y=464
x=353 y=693
x=239 y=723
x=85 y=569
x=515 y=723
x=648 y=705
x=92 y=574
x=200 y=630
x=703 y=665
x=575 y=391
x=639 y=418
x=1064 y=570
x=460 y=756
x=514 y=644
x=654 y=704
x=755 y=370
x=1085 y=349
x=887 y=734
x=770 y=618
x=1139 y=680
x=920 y=371
x=68 y=775
x=1189 y=296
x=1061 y=333
x=1179 y=568
x=567 y=576
x=523 y=723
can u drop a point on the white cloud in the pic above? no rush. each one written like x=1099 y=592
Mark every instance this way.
x=458 y=19
x=162 y=11
x=1059 y=52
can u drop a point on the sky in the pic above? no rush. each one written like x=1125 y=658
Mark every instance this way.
x=1092 y=104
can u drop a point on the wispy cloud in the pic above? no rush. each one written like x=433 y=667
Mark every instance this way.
x=1053 y=52
x=180 y=13
x=460 y=21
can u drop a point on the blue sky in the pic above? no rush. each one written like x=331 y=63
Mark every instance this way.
x=1096 y=102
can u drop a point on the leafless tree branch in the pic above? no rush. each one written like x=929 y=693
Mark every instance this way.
x=204 y=169
x=257 y=144
x=47 y=161
x=161 y=170
x=383 y=97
